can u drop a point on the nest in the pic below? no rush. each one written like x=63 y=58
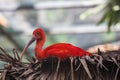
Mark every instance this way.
x=101 y=66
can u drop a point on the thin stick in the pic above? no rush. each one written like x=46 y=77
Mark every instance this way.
x=72 y=72
x=86 y=67
x=116 y=73
x=4 y=74
x=101 y=64
x=57 y=69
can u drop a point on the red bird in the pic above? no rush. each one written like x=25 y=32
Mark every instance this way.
x=61 y=50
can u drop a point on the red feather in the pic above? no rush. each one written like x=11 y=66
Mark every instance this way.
x=61 y=50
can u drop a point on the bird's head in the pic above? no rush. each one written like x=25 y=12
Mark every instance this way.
x=38 y=34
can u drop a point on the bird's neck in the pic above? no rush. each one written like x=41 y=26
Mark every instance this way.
x=38 y=48
x=39 y=44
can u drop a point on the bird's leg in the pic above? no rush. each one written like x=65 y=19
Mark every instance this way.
x=72 y=72
x=57 y=69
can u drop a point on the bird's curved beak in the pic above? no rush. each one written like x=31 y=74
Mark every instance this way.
x=26 y=46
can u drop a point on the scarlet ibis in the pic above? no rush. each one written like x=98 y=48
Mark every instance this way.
x=60 y=50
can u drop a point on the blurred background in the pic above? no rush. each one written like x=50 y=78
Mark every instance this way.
x=84 y=23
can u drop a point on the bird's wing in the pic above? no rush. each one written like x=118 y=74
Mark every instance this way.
x=61 y=50
x=56 y=51
x=64 y=50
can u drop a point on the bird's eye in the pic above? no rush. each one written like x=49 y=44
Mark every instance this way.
x=38 y=33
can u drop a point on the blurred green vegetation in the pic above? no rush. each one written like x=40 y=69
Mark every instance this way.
x=111 y=13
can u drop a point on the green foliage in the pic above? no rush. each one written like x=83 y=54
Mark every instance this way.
x=111 y=13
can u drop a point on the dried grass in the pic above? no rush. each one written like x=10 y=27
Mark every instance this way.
x=101 y=66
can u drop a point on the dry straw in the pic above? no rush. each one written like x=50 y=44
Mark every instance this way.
x=101 y=66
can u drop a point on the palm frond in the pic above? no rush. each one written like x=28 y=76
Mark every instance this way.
x=100 y=66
